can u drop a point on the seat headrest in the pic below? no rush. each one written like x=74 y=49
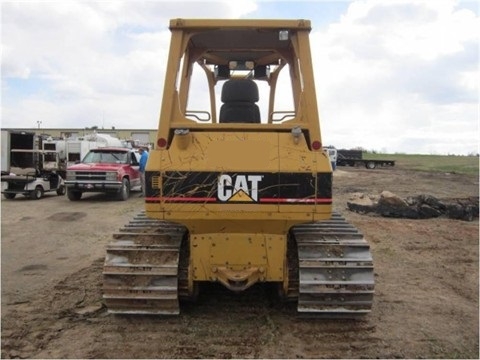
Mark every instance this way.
x=240 y=90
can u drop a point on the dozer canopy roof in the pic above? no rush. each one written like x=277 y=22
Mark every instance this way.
x=222 y=41
x=231 y=50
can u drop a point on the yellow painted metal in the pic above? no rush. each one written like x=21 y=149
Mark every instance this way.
x=259 y=152
x=238 y=242
x=233 y=258
x=220 y=151
x=301 y=72
x=207 y=24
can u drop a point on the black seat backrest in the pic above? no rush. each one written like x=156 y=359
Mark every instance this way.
x=239 y=98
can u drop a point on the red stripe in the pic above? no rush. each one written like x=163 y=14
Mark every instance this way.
x=263 y=200
x=292 y=200
x=180 y=199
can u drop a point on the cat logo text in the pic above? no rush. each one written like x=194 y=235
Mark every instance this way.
x=238 y=187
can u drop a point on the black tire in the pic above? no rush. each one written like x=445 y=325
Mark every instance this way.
x=37 y=193
x=370 y=165
x=124 y=192
x=61 y=190
x=9 y=196
x=74 y=195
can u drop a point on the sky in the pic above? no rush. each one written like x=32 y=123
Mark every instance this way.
x=393 y=76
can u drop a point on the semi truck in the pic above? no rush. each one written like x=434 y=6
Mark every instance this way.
x=72 y=150
x=76 y=149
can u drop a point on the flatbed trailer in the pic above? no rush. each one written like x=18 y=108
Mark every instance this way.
x=368 y=163
x=355 y=158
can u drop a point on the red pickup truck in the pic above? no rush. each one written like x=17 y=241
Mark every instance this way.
x=108 y=170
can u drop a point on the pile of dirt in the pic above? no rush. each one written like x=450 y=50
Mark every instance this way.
x=422 y=206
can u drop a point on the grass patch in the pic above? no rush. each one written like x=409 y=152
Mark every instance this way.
x=433 y=163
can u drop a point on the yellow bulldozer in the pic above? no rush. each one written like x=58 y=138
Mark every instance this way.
x=239 y=186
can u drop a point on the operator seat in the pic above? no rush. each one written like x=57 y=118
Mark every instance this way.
x=239 y=97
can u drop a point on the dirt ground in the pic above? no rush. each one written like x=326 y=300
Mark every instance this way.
x=426 y=294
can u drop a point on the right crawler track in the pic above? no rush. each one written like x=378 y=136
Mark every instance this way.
x=335 y=270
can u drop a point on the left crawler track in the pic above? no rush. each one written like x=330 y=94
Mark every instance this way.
x=142 y=268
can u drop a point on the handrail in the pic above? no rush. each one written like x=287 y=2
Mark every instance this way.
x=288 y=114
x=195 y=112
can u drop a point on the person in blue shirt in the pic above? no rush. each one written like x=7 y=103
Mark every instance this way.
x=143 y=163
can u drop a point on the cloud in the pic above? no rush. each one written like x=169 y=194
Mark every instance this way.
x=389 y=73
x=91 y=60
x=399 y=75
